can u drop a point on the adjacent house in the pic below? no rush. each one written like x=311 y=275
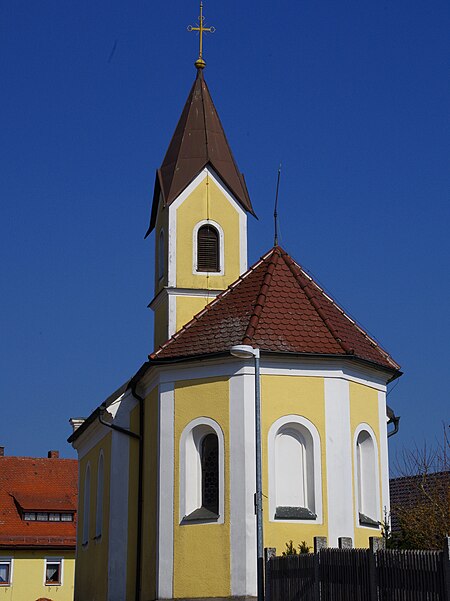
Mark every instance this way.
x=38 y=501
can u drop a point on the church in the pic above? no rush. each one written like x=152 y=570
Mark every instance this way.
x=167 y=462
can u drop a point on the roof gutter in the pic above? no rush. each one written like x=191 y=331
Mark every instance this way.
x=394 y=419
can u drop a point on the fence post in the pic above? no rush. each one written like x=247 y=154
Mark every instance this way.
x=345 y=542
x=269 y=552
x=376 y=543
x=320 y=542
x=446 y=567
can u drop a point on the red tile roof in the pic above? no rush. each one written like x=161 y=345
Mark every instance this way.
x=48 y=485
x=199 y=140
x=275 y=306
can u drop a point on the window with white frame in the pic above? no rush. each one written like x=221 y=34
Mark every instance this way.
x=208 y=247
x=201 y=472
x=5 y=571
x=53 y=571
x=294 y=470
x=99 y=500
x=366 y=477
x=86 y=505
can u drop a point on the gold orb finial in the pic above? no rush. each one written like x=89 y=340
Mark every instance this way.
x=200 y=62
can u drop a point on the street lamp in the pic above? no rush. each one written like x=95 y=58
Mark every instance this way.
x=244 y=351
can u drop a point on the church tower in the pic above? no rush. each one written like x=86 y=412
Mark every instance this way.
x=199 y=215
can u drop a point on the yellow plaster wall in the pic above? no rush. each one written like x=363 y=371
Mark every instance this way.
x=364 y=408
x=150 y=497
x=92 y=560
x=201 y=551
x=132 y=505
x=292 y=395
x=188 y=306
x=29 y=573
x=207 y=201
x=161 y=323
x=161 y=222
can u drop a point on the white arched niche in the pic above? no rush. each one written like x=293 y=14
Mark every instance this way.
x=367 y=481
x=86 y=505
x=295 y=473
x=192 y=510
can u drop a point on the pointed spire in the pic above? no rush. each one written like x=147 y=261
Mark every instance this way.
x=199 y=140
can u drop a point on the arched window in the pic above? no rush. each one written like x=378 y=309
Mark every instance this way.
x=99 y=501
x=210 y=473
x=161 y=257
x=202 y=472
x=294 y=470
x=208 y=249
x=86 y=505
x=366 y=479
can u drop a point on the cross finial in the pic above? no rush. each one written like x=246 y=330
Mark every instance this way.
x=200 y=63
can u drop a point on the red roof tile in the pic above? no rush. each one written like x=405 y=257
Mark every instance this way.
x=275 y=306
x=47 y=485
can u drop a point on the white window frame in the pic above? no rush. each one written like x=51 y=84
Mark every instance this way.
x=364 y=427
x=191 y=469
x=274 y=430
x=86 y=506
x=99 y=501
x=221 y=248
x=9 y=560
x=59 y=560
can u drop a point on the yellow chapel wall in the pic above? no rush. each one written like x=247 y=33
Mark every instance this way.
x=150 y=499
x=201 y=551
x=132 y=506
x=92 y=559
x=207 y=201
x=29 y=574
x=364 y=409
x=292 y=395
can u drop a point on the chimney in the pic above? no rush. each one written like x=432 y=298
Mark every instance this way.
x=53 y=454
x=2 y=451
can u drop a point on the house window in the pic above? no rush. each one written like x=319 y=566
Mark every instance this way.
x=86 y=505
x=67 y=517
x=5 y=571
x=294 y=470
x=53 y=572
x=99 y=505
x=161 y=254
x=208 y=256
x=29 y=516
x=202 y=472
x=42 y=517
x=366 y=479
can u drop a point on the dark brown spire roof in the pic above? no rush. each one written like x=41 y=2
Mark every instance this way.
x=275 y=306
x=199 y=140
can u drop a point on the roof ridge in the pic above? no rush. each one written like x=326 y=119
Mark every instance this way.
x=210 y=305
x=292 y=266
x=262 y=296
x=362 y=331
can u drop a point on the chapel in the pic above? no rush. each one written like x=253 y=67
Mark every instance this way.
x=167 y=462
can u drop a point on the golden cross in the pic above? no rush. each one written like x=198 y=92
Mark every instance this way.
x=200 y=63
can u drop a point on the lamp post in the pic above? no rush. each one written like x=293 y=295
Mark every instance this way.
x=244 y=351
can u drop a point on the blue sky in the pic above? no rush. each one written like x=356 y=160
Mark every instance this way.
x=352 y=97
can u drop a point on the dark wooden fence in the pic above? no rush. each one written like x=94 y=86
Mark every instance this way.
x=359 y=575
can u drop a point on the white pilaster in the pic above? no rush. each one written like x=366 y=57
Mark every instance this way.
x=339 y=460
x=384 y=459
x=242 y=485
x=165 y=492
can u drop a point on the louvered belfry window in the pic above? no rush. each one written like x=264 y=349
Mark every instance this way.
x=208 y=249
